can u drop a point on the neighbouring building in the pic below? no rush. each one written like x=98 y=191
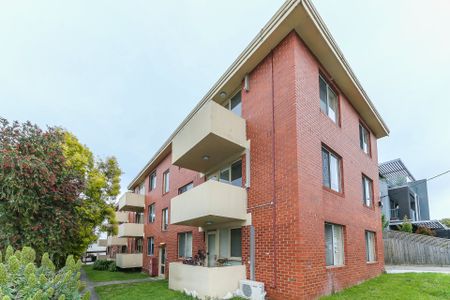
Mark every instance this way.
x=272 y=175
x=401 y=194
x=404 y=196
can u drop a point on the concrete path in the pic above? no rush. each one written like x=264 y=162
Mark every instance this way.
x=90 y=285
x=416 y=269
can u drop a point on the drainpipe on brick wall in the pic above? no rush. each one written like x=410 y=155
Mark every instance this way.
x=274 y=206
x=252 y=252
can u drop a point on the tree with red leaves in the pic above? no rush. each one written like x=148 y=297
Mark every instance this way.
x=53 y=194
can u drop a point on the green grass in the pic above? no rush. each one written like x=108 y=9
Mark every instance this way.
x=399 y=286
x=97 y=276
x=155 y=290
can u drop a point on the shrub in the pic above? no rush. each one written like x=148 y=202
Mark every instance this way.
x=425 y=231
x=406 y=226
x=21 y=278
x=112 y=267
x=104 y=265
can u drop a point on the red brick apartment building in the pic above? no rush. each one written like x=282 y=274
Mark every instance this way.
x=274 y=174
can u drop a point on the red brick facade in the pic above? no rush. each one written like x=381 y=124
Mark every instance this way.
x=178 y=178
x=287 y=200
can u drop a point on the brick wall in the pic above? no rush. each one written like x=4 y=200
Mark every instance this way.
x=286 y=129
x=178 y=178
x=288 y=203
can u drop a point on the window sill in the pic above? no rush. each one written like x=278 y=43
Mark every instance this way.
x=372 y=262
x=337 y=124
x=335 y=267
x=341 y=194
x=372 y=208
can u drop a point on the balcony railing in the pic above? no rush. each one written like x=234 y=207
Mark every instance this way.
x=213 y=135
x=208 y=282
x=129 y=260
x=210 y=203
x=395 y=214
x=122 y=216
x=132 y=202
x=131 y=230
x=116 y=241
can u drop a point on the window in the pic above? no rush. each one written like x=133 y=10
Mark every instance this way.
x=364 y=139
x=138 y=245
x=139 y=218
x=328 y=101
x=370 y=246
x=151 y=213
x=334 y=244
x=166 y=181
x=235 y=104
x=331 y=170
x=185 y=244
x=229 y=174
x=142 y=189
x=152 y=181
x=236 y=244
x=185 y=188
x=367 y=187
x=165 y=219
x=151 y=246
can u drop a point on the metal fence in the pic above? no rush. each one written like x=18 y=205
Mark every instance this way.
x=401 y=248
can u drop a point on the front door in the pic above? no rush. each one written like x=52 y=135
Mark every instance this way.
x=212 y=249
x=162 y=261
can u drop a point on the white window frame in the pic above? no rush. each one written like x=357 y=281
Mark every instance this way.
x=327 y=104
x=229 y=239
x=337 y=246
x=367 y=183
x=186 y=244
x=227 y=103
x=152 y=239
x=364 y=139
x=166 y=182
x=371 y=249
x=216 y=175
x=165 y=219
x=152 y=213
x=152 y=181
x=141 y=189
x=188 y=187
x=333 y=155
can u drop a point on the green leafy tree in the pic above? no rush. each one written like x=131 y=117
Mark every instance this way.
x=384 y=222
x=53 y=194
x=406 y=225
x=446 y=222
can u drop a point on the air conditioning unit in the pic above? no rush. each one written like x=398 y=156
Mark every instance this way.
x=253 y=290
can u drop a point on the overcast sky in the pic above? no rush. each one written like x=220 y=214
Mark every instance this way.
x=122 y=75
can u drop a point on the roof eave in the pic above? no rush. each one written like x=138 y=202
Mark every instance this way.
x=284 y=21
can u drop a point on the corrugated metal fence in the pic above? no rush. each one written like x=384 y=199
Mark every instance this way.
x=401 y=248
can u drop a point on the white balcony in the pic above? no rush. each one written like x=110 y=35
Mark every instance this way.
x=125 y=260
x=117 y=241
x=122 y=216
x=127 y=230
x=132 y=202
x=210 y=203
x=213 y=135
x=207 y=282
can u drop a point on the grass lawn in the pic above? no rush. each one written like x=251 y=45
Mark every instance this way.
x=155 y=290
x=399 y=286
x=96 y=276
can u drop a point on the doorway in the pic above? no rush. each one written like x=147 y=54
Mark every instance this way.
x=212 y=248
x=162 y=261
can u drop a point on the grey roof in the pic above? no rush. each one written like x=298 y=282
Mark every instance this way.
x=395 y=169
x=432 y=224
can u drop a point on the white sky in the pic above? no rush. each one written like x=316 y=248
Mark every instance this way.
x=122 y=75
